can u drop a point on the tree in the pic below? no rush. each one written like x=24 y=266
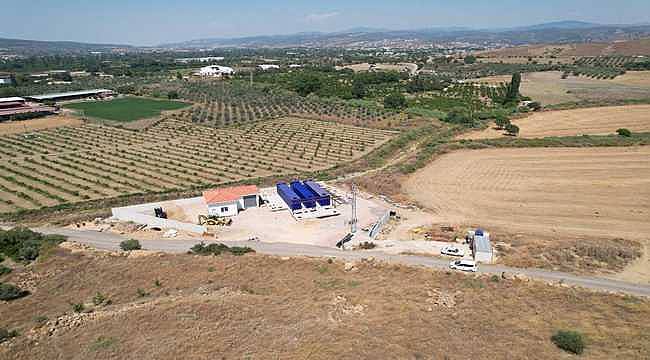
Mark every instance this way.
x=624 y=132
x=469 y=59
x=358 y=90
x=512 y=129
x=173 y=94
x=513 y=89
x=395 y=101
x=306 y=84
x=179 y=76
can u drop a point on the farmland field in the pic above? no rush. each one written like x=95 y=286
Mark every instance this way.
x=126 y=109
x=48 y=122
x=73 y=164
x=550 y=89
x=541 y=192
x=591 y=121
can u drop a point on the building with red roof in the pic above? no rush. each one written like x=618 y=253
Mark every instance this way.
x=229 y=201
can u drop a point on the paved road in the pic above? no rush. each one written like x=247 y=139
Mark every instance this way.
x=109 y=241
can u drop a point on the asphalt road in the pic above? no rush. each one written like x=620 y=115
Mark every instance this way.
x=110 y=241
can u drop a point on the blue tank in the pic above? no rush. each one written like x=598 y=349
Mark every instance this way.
x=289 y=196
x=324 y=198
x=307 y=196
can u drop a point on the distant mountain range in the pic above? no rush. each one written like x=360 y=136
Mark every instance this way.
x=560 y=32
x=553 y=32
x=36 y=47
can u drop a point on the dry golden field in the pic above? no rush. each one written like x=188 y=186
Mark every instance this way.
x=603 y=192
x=48 y=122
x=549 y=88
x=590 y=121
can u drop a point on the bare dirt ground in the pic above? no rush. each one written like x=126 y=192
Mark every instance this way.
x=591 y=121
x=549 y=88
x=266 y=307
x=559 y=196
x=22 y=126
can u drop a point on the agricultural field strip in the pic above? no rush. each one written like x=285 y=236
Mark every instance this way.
x=99 y=161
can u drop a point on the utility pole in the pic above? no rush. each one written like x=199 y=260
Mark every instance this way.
x=353 y=220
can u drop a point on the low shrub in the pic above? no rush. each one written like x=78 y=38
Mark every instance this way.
x=624 y=132
x=7 y=334
x=218 y=249
x=571 y=341
x=130 y=245
x=4 y=270
x=10 y=292
x=78 y=307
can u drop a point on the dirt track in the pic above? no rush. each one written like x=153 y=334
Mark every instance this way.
x=600 y=192
x=592 y=121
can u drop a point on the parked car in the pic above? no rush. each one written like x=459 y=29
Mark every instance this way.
x=464 y=265
x=452 y=251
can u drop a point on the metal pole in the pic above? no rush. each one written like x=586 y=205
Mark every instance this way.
x=353 y=221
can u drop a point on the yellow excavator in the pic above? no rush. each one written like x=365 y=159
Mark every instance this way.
x=212 y=220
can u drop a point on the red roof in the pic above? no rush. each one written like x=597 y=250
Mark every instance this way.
x=222 y=195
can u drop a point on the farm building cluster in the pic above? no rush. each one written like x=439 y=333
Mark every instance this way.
x=20 y=108
x=297 y=212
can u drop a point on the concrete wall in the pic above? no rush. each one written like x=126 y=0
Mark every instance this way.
x=144 y=214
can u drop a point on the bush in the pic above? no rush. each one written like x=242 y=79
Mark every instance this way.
x=512 y=129
x=571 y=341
x=22 y=244
x=367 y=245
x=10 y=292
x=6 y=334
x=4 y=270
x=624 y=132
x=218 y=249
x=78 y=308
x=129 y=245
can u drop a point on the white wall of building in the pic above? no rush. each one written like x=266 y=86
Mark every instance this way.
x=224 y=209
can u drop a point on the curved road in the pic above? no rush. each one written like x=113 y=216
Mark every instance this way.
x=110 y=241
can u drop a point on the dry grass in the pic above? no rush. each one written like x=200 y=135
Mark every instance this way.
x=624 y=48
x=48 y=122
x=550 y=89
x=263 y=307
x=590 y=121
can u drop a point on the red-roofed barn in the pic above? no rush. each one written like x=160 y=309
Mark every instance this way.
x=229 y=201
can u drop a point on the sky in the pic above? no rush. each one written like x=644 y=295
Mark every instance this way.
x=148 y=22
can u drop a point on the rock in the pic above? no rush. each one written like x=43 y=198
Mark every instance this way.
x=349 y=266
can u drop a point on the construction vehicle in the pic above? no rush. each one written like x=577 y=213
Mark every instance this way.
x=160 y=213
x=213 y=220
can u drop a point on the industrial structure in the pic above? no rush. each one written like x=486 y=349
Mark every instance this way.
x=7 y=79
x=17 y=108
x=306 y=199
x=73 y=95
x=226 y=202
x=481 y=246
x=266 y=67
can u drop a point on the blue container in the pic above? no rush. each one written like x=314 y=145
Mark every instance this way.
x=289 y=196
x=324 y=198
x=307 y=196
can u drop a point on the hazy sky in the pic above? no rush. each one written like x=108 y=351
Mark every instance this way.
x=148 y=22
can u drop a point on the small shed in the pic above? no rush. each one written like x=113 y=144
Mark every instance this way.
x=482 y=247
x=230 y=201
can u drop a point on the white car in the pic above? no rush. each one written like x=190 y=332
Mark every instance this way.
x=452 y=251
x=464 y=265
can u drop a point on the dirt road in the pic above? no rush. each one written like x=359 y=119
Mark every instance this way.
x=108 y=241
